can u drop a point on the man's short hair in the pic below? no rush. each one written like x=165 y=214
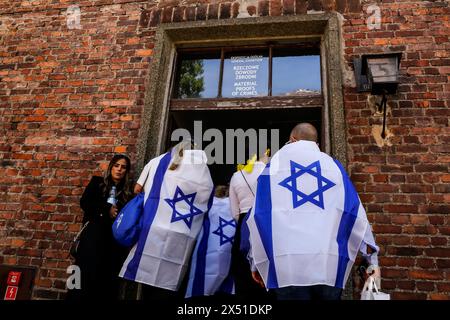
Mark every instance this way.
x=304 y=131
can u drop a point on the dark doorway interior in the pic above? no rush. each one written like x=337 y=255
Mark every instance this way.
x=282 y=119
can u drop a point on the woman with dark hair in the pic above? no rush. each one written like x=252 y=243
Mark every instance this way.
x=99 y=256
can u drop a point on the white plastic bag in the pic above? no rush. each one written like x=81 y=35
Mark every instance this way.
x=369 y=294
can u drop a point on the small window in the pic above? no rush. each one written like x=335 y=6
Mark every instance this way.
x=295 y=74
x=198 y=76
x=251 y=72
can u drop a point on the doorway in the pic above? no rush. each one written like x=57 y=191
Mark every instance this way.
x=282 y=120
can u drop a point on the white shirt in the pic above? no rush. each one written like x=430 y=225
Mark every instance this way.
x=241 y=197
x=150 y=166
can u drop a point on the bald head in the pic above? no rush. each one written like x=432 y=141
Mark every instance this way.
x=304 y=131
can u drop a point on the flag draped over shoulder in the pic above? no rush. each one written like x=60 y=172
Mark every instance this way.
x=308 y=222
x=211 y=259
x=174 y=208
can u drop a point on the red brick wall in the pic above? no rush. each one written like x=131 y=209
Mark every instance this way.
x=69 y=99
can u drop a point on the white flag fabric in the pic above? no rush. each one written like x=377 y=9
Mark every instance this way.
x=174 y=208
x=211 y=260
x=308 y=222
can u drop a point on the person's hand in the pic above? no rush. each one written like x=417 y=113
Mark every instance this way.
x=257 y=277
x=375 y=273
x=137 y=188
x=113 y=212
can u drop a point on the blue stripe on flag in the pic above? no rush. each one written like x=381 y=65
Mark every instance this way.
x=351 y=206
x=198 y=285
x=244 y=246
x=263 y=221
x=150 y=208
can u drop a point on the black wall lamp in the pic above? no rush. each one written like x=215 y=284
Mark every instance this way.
x=378 y=74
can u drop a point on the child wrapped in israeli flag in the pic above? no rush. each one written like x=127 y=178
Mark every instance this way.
x=307 y=222
x=178 y=193
x=210 y=267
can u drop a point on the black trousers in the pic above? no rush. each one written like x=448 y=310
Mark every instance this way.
x=150 y=293
x=245 y=287
x=317 y=292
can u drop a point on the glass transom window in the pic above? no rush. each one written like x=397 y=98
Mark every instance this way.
x=248 y=73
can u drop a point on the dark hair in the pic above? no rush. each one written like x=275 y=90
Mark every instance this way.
x=221 y=191
x=124 y=186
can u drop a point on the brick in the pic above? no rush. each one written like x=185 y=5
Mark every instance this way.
x=167 y=15
x=405 y=251
x=17 y=243
x=328 y=5
x=436 y=220
x=400 y=219
x=301 y=6
x=145 y=18
x=426 y=263
x=252 y=10
x=155 y=17
x=45 y=294
x=395 y=273
x=341 y=6
x=419 y=219
x=439 y=296
x=190 y=13
x=444 y=209
x=400 y=241
x=441 y=252
x=387 y=229
x=408 y=188
x=178 y=14
x=408 y=296
x=201 y=12
x=144 y=52
x=168 y=3
x=406 y=285
x=354 y=6
x=443 y=263
x=263 y=8
x=443 y=287
x=276 y=8
x=225 y=10
x=213 y=11
x=288 y=7
x=392 y=208
x=425 y=286
x=439 y=241
x=426 y=274
x=421 y=241
x=120 y=149
x=385 y=284
x=315 y=5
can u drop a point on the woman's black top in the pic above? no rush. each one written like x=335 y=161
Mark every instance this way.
x=100 y=257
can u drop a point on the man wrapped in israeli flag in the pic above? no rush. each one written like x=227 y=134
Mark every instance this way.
x=211 y=260
x=307 y=222
x=178 y=192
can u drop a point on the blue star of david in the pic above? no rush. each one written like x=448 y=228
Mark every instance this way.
x=222 y=224
x=299 y=198
x=189 y=199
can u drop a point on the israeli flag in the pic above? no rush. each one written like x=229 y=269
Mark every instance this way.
x=174 y=207
x=210 y=266
x=308 y=222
